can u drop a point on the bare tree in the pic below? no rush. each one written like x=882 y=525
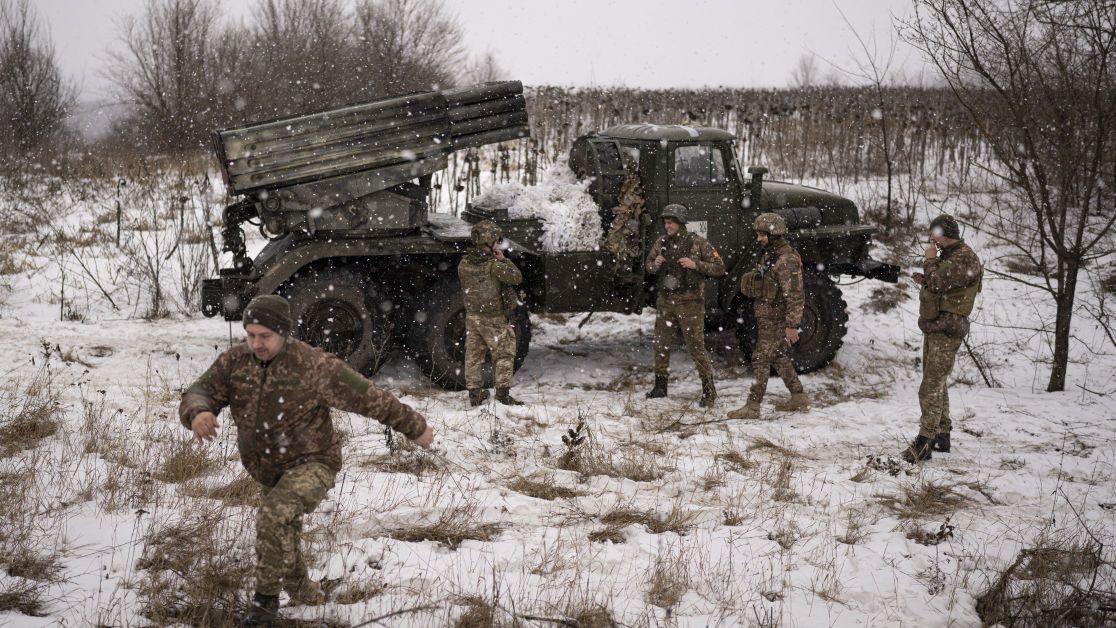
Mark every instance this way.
x=805 y=72
x=164 y=68
x=485 y=68
x=34 y=99
x=407 y=45
x=1038 y=80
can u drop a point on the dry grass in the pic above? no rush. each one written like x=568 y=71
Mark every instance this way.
x=454 y=526
x=886 y=298
x=735 y=460
x=766 y=445
x=669 y=580
x=781 y=487
x=197 y=569
x=479 y=613
x=856 y=523
x=923 y=500
x=639 y=463
x=28 y=415
x=547 y=489
x=786 y=535
x=243 y=491
x=413 y=462
x=26 y=597
x=676 y=521
x=359 y=591
x=185 y=460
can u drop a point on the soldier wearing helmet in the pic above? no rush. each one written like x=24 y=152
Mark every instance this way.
x=487 y=280
x=776 y=291
x=682 y=261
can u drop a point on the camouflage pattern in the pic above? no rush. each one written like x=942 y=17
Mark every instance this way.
x=281 y=408
x=778 y=298
x=484 y=334
x=674 y=283
x=949 y=288
x=484 y=281
x=771 y=224
x=279 y=561
x=939 y=352
x=689 y=317
x=623 y=234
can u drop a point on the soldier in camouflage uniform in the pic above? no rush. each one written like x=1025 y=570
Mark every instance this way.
x=682 y=260
x=488 y=280
x=778 y=297
x=950 y=280
x=279 y=392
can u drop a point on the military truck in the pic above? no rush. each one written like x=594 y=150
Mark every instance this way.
x=342 y=196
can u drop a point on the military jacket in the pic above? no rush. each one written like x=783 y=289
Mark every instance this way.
x=281 y=408
x=776 y=285
x=950 y=285
x=678 y=284
x=485 y=281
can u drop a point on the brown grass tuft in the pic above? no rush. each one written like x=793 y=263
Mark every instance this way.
x=669 y=580
x=186 y=460
x=546 y=489
x=243 y=491
x=676 y=521
x=24 y=597
x=454 y=526
x=923 y=500
x=28 y=415
x=763 y=444
x=359 y=591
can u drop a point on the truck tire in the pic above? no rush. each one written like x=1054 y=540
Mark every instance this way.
x=821 y=333
x=337 y=311
x=437 y=337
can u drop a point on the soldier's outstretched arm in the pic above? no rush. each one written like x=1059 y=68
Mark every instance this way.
x=504 y=271
x=345 y=389
x=710 y=262
x=208 y=394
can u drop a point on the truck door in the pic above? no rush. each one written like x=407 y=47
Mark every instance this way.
x=702 y=179
x=608 y=173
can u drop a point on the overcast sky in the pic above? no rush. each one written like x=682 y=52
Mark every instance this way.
x=635 y=43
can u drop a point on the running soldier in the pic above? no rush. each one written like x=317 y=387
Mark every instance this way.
x=951 y=278
x=488 y=279
x=778 y=297
x=682 y=261
x=279 y=392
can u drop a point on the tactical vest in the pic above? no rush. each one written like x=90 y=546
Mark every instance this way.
x=958 y=301
x=760 y=284
x=672 y=277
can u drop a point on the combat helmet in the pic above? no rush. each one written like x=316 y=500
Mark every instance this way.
x=771 y=223
x=675 y=211
x=486 y=233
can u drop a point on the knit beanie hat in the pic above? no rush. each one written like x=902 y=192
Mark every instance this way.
x=947 y=225
x=271 y=311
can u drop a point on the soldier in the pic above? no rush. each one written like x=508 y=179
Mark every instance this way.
x=682 y=261
x=777 y=294
x=623 y=234
x=950 y=279
x=279 y=392
x=487 y=278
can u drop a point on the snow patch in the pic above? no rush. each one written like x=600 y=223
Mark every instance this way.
x=571 y=220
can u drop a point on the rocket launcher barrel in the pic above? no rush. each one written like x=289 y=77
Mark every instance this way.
x=420 y=129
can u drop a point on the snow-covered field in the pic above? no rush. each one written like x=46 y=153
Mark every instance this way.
x=666 y=514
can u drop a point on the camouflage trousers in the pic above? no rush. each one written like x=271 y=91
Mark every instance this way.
x=939 y=352
x=279 y=562
x=489 y=334
x=772 y=350
x=689 y=317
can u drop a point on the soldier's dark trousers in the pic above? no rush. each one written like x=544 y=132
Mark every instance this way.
x=279 y=560
x=939 y=352
x=772 y=350
x=689 y=317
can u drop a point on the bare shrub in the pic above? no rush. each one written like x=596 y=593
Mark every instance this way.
x=1059 y=582
x=454 y=525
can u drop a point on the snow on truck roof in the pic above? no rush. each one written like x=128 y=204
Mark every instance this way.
x=669 y=132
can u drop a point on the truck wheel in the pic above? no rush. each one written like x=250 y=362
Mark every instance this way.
x=335 y=311
x=437 y=337
x=822 y=330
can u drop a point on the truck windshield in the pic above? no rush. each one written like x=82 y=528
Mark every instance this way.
x=698 y=166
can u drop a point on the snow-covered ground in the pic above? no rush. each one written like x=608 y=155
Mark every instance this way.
x=666 y=514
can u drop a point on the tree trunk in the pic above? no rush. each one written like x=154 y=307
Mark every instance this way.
x=1062 y=320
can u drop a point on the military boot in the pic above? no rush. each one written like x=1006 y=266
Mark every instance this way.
x=708 y=394
x=941 y=443
x=749 y=411
x=798 y=402
x=918 y=451
x=263 y=613
x=477 y=396
x=503 y=395
x=660 y=389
